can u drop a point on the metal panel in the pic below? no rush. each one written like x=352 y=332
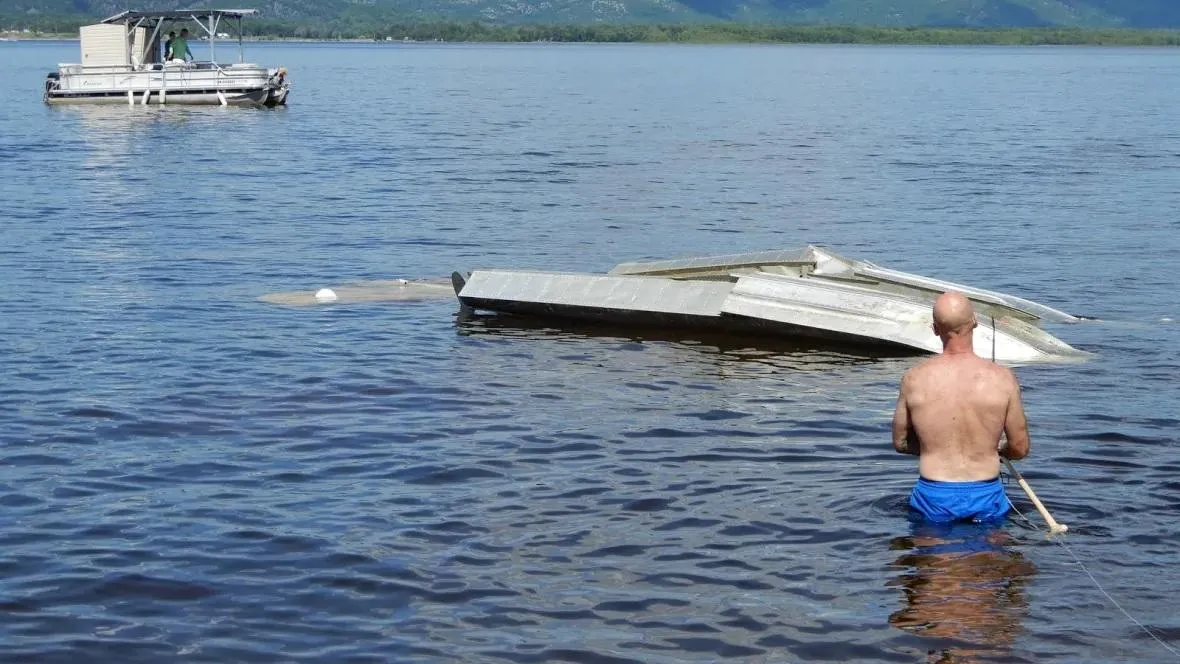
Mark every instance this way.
x=807 y=292
x=868 y=314
x=718 y=265
x=932 y=287
x=820 y=262
x=640 y=294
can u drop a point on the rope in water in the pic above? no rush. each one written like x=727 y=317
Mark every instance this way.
x=1078 y=560
x=1098 y=585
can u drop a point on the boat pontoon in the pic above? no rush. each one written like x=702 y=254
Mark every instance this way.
x=809 y=292
x=123 y=62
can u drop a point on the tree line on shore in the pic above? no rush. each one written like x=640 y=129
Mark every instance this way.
x=786 y=34
x=731 y=33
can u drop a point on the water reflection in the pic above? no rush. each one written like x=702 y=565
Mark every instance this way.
x=123 y=140
x=774 y=352
x=965 y=586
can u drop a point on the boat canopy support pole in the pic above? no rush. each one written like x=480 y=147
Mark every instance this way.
x=214 y=21
x=241 y=53
x=210 y=30
x=129 y=30
x=154 y=43
x=128 y=38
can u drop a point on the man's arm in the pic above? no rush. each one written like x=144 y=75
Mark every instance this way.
x=1015 y=424
x=905 y=439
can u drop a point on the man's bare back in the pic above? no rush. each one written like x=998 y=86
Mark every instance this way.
x=951 y=411
x=953 y=408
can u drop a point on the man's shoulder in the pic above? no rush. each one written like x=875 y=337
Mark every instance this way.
x=1010 y=379
x=916 y=375
x=998 y=375
x=926 y=366
x=999 y=370
x=942 y=365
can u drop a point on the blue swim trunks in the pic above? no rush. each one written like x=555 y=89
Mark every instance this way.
x=944 y=502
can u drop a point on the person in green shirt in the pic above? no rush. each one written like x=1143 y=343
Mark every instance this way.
x=180 y=49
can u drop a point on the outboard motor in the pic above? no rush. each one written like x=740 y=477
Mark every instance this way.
x=279 y=86
x=52 y=82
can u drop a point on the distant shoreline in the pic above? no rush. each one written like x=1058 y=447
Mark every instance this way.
x=721 y=33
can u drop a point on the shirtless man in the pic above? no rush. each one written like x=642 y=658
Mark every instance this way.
x=950 y=413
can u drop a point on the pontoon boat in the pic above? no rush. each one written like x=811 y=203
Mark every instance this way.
x=123 y=62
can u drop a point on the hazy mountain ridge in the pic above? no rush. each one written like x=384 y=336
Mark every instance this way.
x=974 y=13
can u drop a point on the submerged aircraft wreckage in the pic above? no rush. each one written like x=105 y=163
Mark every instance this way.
x=809 y=292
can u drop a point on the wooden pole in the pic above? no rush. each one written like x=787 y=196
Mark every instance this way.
x=1054 y=527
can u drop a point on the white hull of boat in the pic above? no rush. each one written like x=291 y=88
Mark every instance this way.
x=155 y=98
x=809 y=293
x=203 y=84
x=865 y=313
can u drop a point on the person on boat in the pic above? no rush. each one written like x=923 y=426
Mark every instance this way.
x=951 y=412
x=180 y=49
x=168 y=46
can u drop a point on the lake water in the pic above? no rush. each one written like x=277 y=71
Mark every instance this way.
x=189 y=473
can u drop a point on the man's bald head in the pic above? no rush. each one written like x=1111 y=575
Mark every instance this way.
x=953 y=315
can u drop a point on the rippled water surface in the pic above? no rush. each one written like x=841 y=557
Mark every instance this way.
x=190 y=473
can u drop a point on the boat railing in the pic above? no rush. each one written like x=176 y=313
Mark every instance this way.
x=71 y=69
x=76 y=69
